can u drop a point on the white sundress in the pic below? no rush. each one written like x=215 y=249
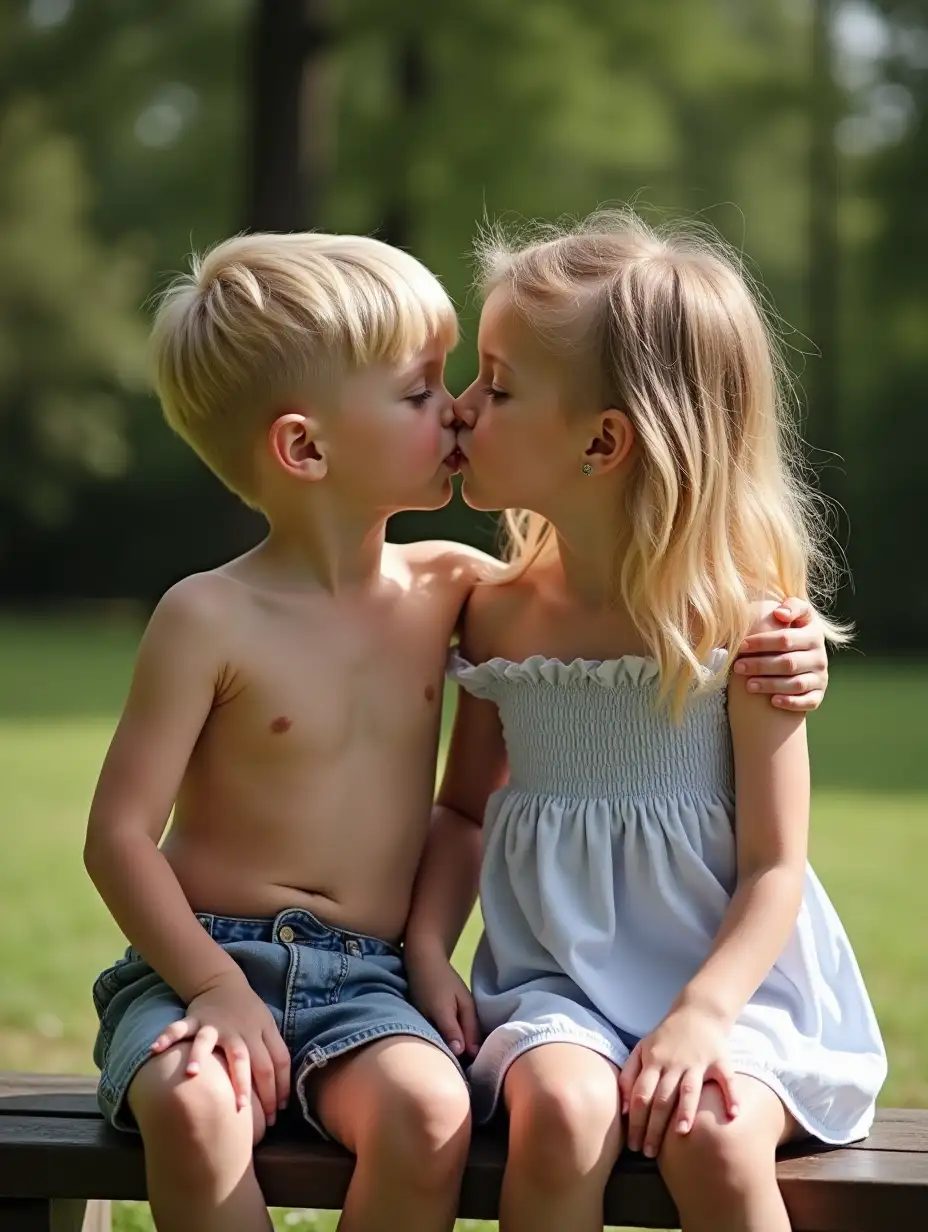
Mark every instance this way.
x=609 y=863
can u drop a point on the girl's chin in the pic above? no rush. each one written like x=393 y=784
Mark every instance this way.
x=474 y=498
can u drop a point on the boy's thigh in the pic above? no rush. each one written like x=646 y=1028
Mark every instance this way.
x=396 y=1083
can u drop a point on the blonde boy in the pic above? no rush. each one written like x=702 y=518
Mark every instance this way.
x=286 y=706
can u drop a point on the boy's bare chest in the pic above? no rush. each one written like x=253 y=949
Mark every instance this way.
x=339 y=678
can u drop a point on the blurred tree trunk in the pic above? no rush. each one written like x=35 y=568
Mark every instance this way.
x=824 y=254
x=412 y=90
x=291 y=114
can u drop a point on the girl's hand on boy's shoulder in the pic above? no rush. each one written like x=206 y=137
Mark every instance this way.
x=784 y=656
x=442 y=996
x=666 y=1072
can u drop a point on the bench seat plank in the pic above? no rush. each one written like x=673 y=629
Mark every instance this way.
x=55 y=1145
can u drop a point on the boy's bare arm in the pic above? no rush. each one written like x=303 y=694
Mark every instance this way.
x=174 y=687
x=179 y=675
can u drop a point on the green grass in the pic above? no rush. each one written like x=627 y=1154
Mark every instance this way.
x=61 y=685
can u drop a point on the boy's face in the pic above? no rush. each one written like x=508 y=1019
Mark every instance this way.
x=389 y=439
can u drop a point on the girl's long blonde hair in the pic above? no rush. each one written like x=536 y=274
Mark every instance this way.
x=718 y=515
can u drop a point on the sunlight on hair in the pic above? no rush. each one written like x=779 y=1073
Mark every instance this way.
x=263 y=319
x=719 y=513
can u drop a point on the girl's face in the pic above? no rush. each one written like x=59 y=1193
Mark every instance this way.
x=522 y=444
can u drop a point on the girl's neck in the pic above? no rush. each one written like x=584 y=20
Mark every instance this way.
x=590 y=560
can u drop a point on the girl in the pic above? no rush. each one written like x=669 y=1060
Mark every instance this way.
x=660 y=966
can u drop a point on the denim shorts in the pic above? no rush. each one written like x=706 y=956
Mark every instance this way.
x=329 y=991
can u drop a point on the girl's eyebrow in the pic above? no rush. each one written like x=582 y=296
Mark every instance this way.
x=495 y=359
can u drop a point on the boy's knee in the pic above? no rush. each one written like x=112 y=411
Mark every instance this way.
x=560 y=1134
x=192 y=1120
x=421 y=1130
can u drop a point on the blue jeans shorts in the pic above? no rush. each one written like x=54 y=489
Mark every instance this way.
x=329 y=991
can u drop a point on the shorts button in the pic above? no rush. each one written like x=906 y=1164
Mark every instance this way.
x=287 y=933
x=353 y=948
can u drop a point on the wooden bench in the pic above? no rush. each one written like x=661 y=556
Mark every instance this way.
x=57 y=1157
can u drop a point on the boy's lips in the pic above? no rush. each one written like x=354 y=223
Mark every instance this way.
x=453 y=460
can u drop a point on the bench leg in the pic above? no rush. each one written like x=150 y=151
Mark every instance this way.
x=53 y=1215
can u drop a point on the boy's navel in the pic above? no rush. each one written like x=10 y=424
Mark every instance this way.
x=429 y=693
x=281 y=724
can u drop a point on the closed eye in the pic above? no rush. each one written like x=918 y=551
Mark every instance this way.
x=495 y=394
x=420 y=399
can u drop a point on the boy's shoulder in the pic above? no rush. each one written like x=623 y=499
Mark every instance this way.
x=198 y=607
x=451 y=562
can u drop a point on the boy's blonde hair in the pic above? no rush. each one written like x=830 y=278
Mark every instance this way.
x=717 y=513
x=263 y=319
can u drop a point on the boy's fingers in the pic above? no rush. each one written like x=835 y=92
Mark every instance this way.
x=263 y=1080
x=795 y=612
x=176 y=1032
x=280 y=1059
x=201 y=1049
x=804 y=682
x=802 y=702
x=239 y=1064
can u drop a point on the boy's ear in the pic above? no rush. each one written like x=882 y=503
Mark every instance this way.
x=612 y=443
x=295 y=447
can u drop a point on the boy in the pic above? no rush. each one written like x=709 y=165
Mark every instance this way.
x=286 y=706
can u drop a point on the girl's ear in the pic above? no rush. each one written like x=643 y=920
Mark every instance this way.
x=295 y=447
x=612 y=443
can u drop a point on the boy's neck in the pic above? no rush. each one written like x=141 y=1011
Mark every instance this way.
x=333 y=554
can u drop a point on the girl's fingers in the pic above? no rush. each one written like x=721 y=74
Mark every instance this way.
x=723 y=1075
x=639 y=1109
x=688 y=1101
x=662 y=1106
x=628 y=1077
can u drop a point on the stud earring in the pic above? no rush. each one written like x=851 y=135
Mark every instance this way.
x=587 y=468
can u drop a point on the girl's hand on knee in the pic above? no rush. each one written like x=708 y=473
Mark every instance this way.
x=443 y=997
x=791 y=663
x=665 y=1074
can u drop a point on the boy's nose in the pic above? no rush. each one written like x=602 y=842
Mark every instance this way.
x=466 y=415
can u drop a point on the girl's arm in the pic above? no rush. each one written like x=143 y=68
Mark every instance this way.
x=446 y=886
x=772 y=827
x=772 y=822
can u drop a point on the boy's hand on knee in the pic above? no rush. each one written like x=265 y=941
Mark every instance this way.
x=790 y=663
x=443 y=997
x=231 y=1019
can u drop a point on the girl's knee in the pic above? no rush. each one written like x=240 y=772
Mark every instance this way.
x=562 y=1132
x=717 y=1153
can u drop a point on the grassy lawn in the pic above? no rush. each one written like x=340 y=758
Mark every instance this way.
x=61 y=685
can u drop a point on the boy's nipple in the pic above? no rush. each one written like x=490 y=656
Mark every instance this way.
x=429 y=693
x=281 y=724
